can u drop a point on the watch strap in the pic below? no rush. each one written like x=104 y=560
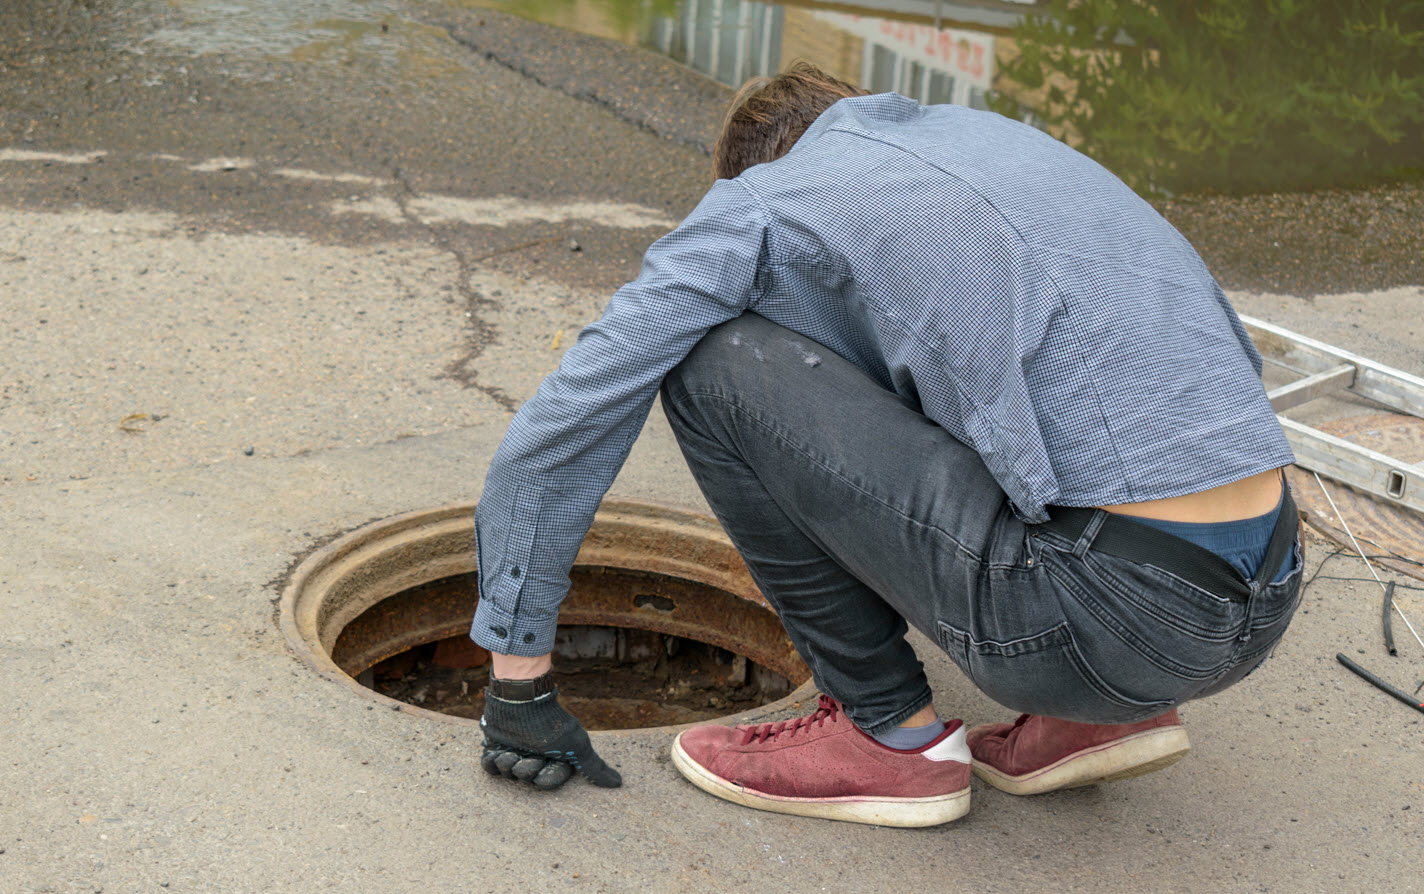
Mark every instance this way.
x=521 y=690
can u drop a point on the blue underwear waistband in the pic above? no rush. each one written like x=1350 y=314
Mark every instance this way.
x=1242 y=543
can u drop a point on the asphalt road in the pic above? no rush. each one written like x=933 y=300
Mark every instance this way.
x=343 y=126
x=271 y=270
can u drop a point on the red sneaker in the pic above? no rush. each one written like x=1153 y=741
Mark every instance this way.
x=824 y=766
x=1037 y=754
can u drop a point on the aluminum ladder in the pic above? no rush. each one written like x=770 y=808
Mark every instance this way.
x=1326 y=369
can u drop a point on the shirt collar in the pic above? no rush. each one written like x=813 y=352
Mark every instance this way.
x=881 y=108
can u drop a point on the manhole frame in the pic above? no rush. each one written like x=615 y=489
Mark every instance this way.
x=335 y=584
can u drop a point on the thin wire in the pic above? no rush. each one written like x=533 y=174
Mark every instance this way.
x=1321 y=567
x=1366 y=558
x=1365 y=580
x=1327 y=577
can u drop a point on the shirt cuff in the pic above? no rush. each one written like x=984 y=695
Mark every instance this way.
x=499 y=631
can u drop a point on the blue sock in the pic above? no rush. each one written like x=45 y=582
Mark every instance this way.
x=909 y=738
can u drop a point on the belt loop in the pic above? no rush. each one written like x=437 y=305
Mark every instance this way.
x=1090 y=533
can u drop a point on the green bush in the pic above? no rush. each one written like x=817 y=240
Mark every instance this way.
x=1228 y=95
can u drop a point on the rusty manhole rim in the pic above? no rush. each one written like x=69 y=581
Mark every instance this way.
x=390 y=556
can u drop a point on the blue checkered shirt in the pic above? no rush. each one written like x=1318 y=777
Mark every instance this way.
x=1033 y=305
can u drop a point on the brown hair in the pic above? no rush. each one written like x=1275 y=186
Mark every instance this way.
x=768 y=116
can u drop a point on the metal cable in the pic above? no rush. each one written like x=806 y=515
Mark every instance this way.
x=1368 y=563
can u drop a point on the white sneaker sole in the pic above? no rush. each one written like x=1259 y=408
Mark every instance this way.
x=903 y=812
x=1135 y=755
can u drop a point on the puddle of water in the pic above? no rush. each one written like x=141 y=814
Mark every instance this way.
x=342 y=32
x=930 y=50
x=266 y=27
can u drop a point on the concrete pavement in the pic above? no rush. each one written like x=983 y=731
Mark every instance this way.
x=266 y=280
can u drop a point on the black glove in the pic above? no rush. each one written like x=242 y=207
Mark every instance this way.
x=539 y=742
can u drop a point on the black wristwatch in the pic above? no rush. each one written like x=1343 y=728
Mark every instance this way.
x=521 y=690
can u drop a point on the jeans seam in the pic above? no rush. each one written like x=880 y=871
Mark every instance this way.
x=1095 y=680
x=1057 y=638
x=921 y=701
x=1125 y=590
x=749 y=415
x=1111 y=581
x=971 y=642
x=1110 y=623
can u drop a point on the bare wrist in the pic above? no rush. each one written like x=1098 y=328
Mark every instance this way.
x=519 y=667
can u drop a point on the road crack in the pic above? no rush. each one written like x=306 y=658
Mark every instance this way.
x=479 y=332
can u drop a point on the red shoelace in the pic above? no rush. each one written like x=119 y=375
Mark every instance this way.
x=827 y=709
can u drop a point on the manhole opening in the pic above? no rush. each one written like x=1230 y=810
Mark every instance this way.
x=662 y=625
x=610 y=677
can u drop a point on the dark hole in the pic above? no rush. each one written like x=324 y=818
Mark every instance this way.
x=609 y=677
x=661 y=603
x=638 y=649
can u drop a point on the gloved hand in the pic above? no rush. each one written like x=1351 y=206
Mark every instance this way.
x=539 y=742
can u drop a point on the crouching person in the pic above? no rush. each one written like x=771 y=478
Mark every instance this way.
x=930 y=367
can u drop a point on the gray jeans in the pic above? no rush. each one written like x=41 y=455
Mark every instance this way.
x=857 y=514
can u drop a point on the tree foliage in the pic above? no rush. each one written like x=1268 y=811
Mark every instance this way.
x=1229 y=95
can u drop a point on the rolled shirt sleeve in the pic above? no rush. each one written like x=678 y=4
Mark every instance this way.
x=567 y=443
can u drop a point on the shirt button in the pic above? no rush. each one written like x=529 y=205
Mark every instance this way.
x=529 y=637
x=499 y=632
x=515 y=572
